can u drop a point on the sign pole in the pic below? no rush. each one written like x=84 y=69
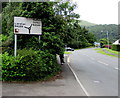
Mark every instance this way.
x=39 y=40
x=15 y=46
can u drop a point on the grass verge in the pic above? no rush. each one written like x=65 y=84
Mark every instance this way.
x=99 y=50
x=66 y=52
x=112 y=51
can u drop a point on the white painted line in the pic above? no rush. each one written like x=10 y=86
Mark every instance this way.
x=103 y=63
x=96 y=81
x=68 y=59
x=116 y=68
x=79 y=81
x=85 y=91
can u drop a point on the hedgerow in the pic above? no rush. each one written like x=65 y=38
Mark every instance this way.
x=116 y=47
x=29 y=65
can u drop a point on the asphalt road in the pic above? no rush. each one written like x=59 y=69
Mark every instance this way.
x=97 y=73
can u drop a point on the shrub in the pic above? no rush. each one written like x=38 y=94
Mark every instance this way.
x=29 y=65
x=3 y=37
x=107 y=46
x=116 y=47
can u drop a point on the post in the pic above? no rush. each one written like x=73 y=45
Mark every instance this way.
x=107 y=39
x=39 y=40
x=15 y=45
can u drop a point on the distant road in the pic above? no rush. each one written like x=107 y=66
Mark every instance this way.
x=97 y=73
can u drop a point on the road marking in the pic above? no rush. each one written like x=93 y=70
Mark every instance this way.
x=96 y=81
x=116 y=68
x=103 y=63
x=85 y=91
x=68 y=59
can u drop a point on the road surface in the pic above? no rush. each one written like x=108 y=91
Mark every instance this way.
x=97 y=73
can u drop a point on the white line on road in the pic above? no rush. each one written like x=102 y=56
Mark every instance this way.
x=96 y=81
x=85 y=91
x=116 y=68
x=68 y=59
x=103 y=63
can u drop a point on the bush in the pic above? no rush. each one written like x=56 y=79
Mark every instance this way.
x=29 y=65
x=116 y=47
x=107 y=46
x=3 y=37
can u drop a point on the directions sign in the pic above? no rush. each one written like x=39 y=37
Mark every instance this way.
x=24 y=25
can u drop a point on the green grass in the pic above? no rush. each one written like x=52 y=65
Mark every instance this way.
x=99 y=50
x=66 y=52
x=77 y=49
x=112 y=51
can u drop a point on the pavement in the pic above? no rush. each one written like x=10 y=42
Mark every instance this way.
x=64 y=86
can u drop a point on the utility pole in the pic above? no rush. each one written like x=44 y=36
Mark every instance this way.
x=107 y=39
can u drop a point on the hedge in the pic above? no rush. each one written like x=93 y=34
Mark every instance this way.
x=116 y=47
x=29 y=65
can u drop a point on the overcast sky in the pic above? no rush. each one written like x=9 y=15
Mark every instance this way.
x=98 y=11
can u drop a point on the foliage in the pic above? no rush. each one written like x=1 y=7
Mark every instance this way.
x=112 y=51
x=113 y=31
x=116 y=47
x=100 y=50
x=107 y=46
x=57 y=17
x=29 y=65
x=60 y=27
x=52 y=43
x=103 y=42
x=3 y=37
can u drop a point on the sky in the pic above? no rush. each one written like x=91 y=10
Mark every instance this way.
x=98 y=11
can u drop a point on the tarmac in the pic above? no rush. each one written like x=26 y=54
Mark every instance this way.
x=64 y=86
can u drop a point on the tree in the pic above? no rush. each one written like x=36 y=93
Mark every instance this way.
x=103 y=42
x=58 y=20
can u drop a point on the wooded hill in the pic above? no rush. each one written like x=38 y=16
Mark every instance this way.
x=86 y=23
x=100 y=31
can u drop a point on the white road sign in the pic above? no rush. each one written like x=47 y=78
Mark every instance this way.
x=24 y=25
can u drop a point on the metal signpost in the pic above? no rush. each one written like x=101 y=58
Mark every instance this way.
x=29 y=26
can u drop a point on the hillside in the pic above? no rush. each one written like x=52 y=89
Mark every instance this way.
x=96 y=29
x=111 y=28
x=86 y=23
